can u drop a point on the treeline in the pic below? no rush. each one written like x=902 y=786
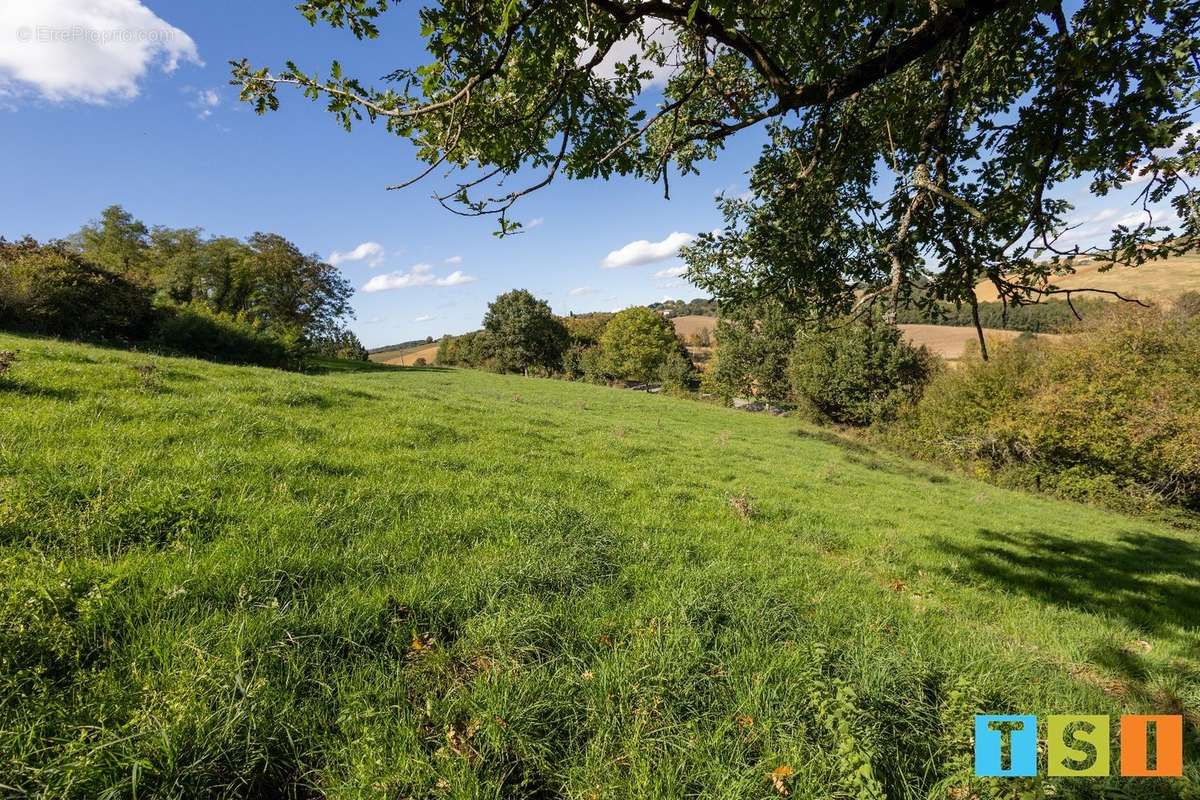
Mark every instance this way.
x=1048 y=316
x=259 y=300
x=700 y=306
x=521 y=334
x=1109 y=415
x=400 y=345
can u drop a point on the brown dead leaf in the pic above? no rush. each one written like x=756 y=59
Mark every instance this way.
x=745 y=720
x=779 y=776
x=742 y=505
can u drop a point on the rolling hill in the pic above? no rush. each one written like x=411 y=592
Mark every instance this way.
x=947 y=341
x=388 y=582
x=406 y=356
x=1160 y=281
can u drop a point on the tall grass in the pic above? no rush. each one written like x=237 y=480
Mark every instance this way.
x=222 y=581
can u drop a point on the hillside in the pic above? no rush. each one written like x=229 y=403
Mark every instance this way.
x=951 y=341
x=406 y=356
x=1161 y=281
x=427 y=583
x=947 y=341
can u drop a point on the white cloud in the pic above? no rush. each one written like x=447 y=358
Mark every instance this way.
x=371 y=252
x=453 y=260
x=580 y=290
x=206 y=100
x=456 y=278
x=418 y=275
x=424 y=318
x=654 y=31
x=644 y=252
x=535 y=222
x=671 y=272
x=89 y=50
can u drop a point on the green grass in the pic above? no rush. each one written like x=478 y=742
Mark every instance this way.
x=435 y=583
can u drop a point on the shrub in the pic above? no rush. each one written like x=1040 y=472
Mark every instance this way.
x=1187 y=305
x=420 y=362
x=637 y=343
x=52 y=290
x=755 y=344
x=7 y=359
x=857 y=372
x=677 y=373
x=1111 y=416
x=196 y=331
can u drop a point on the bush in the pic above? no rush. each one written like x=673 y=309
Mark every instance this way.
x=196 y=331
x=420 y=362
x=677 y=373
x=1187 y=305
x=637 y=343
x=754 y=346
x=858 y=372
x=52 y=290
x=1111 y=416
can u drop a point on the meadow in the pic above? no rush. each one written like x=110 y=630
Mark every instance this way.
x=420 y=582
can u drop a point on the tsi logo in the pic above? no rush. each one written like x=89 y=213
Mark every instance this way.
x=1006 y=746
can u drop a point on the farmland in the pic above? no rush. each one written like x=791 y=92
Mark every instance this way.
x=406 y=356
x=394 y=582
x=1156 y=281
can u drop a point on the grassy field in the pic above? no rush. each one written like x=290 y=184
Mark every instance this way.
x=223 y=581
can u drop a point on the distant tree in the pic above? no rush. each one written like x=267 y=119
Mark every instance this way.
x=636 y=344
x=176 y=262
x=293 y=293
x=754 y=346
x=226 y=277
x=340 y=343
x=524 y=333
x=858 y=372
x=117 y=242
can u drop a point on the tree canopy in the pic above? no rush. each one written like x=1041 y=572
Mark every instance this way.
x=929 y=144
x=522 y=332
x=636 y=344
x=266 y=278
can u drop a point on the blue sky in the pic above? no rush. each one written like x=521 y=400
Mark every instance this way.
x=156 y=128
x=175 y=155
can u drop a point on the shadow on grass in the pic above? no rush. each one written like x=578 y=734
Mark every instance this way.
x=326 y=366
x=11 y=386
x=863 y=455
x=1150 y=581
